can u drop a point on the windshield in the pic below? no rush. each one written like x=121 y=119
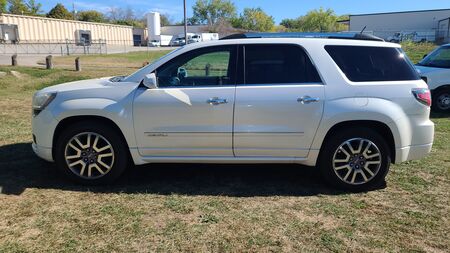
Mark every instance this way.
x=439 y=58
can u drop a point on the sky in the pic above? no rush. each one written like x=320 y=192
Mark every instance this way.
x=279 y=9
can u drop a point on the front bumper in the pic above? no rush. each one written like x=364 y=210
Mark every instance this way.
x=43 y=126
x=43 y=152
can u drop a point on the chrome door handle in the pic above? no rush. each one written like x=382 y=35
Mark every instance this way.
x=216 y=101
x=307 y=100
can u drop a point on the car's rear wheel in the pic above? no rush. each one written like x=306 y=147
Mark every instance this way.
x=441 y=100
x=355 y=159
x=91 y=153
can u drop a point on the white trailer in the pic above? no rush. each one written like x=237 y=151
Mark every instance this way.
x=209 y=36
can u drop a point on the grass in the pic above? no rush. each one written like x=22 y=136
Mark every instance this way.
x=216 y=208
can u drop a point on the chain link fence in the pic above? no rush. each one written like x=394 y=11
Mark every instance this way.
x=69 y=47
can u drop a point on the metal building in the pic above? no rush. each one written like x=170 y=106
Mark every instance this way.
x=20 y=28
x=425 y=24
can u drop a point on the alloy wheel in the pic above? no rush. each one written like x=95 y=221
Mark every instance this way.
x=89 y=155
x=357 y=161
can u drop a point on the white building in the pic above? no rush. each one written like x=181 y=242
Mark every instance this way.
x=386 y=24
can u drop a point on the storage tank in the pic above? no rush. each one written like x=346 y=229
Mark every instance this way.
x=154 y=26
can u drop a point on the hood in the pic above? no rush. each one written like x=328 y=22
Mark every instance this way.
x=424 y=71
x=90 y=84
x=102 y=88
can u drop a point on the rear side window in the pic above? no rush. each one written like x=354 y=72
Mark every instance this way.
x=365 y=64
x=278 y=64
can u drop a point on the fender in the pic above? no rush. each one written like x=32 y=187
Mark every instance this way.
x=367 y=109
x=120 y=112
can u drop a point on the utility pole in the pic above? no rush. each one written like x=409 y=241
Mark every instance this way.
x=185 y=23
x=74 y=11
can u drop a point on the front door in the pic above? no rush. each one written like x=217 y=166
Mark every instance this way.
x=191 y=111
x=279 y=103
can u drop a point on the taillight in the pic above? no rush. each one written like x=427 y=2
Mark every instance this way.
x=422 y=95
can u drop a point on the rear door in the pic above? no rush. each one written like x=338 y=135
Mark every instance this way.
x=279 y=102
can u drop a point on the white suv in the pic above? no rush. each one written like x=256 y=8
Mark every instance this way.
x=350 y=106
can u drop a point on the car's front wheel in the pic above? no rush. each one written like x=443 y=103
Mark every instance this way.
x=355 y=159
x=91 y=152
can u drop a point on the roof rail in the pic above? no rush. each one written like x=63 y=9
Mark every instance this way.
x=343 y=35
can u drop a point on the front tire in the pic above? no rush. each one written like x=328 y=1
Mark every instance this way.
x=441 y=100
x=91 y=153
x=356 y=159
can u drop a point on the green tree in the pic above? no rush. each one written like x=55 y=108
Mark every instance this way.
x=292 y=24
x=3 y=5
x=254 y=19
x=34 y=8
x=212 y=12
x=17 y=7
x=60 y=12
x=321 y=20
x=91 y=16
x=165 y=20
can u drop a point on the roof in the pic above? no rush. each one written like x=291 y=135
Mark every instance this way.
x=397 y=12
x=62 y=20
x=348 y=36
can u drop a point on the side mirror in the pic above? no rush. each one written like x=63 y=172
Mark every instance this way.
x=150 y=81
x=425 y=55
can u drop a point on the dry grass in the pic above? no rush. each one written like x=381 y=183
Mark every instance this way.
x=218 y=208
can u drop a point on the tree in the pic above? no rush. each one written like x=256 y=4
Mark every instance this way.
x=17 y=7
x=3 y=4
x=254 y=19
x=60 y=12
x=165 y=20
x=212 y=12
x=33 y=7
x=291 y=24
x=91 y=16
x=320 y=20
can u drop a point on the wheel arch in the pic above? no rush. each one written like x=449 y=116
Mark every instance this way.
x=380 y=127
x=63 y=124
x=441 y=87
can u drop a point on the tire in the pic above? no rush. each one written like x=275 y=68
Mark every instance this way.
x=440 y=100
x=340 y=166
x=91 y=162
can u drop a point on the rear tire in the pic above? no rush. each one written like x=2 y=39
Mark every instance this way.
x=441 y=100
x=91 y=153
x=356 y=159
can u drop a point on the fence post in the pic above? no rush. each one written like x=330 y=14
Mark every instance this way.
x=67 y=47
x=14 y=60
x=207 y=69
x=49 y=62
x=77 y=64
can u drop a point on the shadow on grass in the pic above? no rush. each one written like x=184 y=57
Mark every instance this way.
x=437 y=115
x=21 y=169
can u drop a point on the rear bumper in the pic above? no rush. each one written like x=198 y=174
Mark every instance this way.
x=42 y=152
x=414 y=152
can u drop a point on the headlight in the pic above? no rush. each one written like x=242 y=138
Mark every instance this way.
x=40 y=101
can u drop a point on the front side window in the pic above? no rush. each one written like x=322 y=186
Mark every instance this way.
x=366 y=64
x=278 y=64
x=439 y=58
x=201 y=67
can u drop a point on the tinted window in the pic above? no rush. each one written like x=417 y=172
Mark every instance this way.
x=275 y=64
x=364 y=64
x=202 y=67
